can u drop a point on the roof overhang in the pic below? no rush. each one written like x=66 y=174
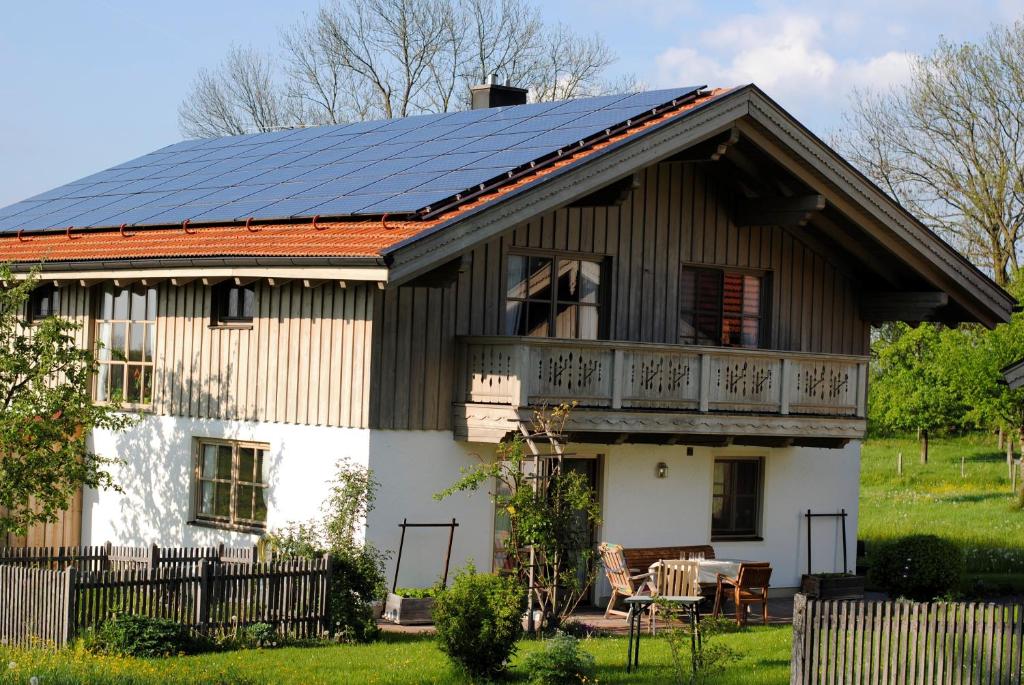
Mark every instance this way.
x=761 y=120
x=208 y=273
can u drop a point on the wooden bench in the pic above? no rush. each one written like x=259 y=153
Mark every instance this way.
x=639 y=559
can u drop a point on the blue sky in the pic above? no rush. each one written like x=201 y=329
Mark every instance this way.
x=86 y=85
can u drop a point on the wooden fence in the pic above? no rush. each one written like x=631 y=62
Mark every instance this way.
x=853 y=642
x=110 y=557
x=47 y=606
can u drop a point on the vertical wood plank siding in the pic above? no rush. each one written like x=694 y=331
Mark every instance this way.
x=305 y=359
x=677 y=215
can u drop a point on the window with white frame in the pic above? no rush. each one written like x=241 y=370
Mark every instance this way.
x=231 y=483
x=126 y=340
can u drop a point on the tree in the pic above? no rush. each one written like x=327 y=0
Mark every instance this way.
x=392 y=58
x=549 y=519
x=949 y=144
x=46 y=413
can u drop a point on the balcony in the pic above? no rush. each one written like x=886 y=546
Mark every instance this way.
x=639 y=392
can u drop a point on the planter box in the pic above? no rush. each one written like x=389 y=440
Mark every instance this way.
x=406 y=611
x=828 y=586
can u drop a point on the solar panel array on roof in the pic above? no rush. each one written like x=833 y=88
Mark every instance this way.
x=367 y=168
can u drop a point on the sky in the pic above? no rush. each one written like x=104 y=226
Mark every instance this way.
x=87 y=85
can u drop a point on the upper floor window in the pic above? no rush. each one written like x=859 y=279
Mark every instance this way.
x=231 y=483
x=553 y=296
x=719 y=307
x=43 y=302
x=233 y=304
x=126 y=331
x=736 y=498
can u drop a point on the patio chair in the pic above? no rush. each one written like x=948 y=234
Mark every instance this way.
x=623 y=583
x=750 y=586
x=675 y=578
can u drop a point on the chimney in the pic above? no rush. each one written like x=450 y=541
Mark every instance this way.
x=492 y=94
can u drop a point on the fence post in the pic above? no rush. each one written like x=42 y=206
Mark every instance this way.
x=69 y=608
x=328 y=626
x=796 y=664
x=154 y=556
x=105 y=563
x=203 y=595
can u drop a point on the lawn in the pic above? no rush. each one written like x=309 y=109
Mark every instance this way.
x=977 y=511
x=764 y=660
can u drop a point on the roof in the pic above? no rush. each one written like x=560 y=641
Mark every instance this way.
x=1013 y=375
x=315 y=237
x=395 y=167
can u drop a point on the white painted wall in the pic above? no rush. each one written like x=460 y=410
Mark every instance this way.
x=156 y=478
x=411 y=466
x=641 y=510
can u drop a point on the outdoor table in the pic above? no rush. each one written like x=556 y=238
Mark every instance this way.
x=638 y=604
x=708 y=569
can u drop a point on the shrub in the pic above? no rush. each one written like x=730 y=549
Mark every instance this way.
x=126 y=635
x=260 y=636
x=561 y=662
x=479 y=619
x=918 y=567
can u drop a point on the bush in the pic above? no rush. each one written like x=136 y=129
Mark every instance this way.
x=125 y=635
x=918 y=567
x=561 y=662
x=479 y=619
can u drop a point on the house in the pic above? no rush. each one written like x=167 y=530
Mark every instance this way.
x=693 y=267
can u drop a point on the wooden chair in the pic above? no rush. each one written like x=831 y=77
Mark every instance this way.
x=675 y=578
x=623 y=583
x=750 y=586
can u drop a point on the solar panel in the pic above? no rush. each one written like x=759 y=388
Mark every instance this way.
x=371 y=167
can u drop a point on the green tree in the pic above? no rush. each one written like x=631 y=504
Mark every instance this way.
x=913 y=383
x=549 y=519
x=46 y=413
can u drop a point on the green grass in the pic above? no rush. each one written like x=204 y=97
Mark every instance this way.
x=977 y=511
x=764 y=660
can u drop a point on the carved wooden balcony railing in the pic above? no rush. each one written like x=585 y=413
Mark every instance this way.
x=641 y=378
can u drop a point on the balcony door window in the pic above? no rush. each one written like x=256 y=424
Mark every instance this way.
x=736 y=498
x=126 y=331
x=719 y=307
x=553 y=296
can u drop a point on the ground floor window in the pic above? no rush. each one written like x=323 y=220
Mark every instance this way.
x=736 y=498
x=231 y=483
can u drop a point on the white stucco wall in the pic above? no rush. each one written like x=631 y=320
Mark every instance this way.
x=156 y=477
x=641 y=510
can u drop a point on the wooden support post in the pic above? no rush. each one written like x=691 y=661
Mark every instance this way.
x=784 y=388
x=154 y=556
x=899 y=463
x=924 y=445
x=106 y=555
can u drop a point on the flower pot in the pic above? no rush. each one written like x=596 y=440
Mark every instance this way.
x=408 y=611
x=832 y=586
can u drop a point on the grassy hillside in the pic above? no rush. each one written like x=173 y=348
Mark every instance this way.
x=978 y=511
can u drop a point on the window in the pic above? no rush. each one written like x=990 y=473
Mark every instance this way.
x=233 y=304
x=720 y=307
x=126 y=333
x=553 y=296
x=231 y=483
x=736 y=498
x=43 y=302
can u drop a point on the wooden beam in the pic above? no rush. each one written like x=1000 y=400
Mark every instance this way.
x=180 y=281
x=277 y=282
x=313 y=282
x=245 y=280
x=125 y=282
x=876 y=260
x=612 y=195
x=902 y=306
x=209 y=281
x=149 y=282
x=725 y=145
x=778 y=211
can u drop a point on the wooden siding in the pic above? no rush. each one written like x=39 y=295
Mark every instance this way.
x=305 y=359
x=66 y=531
x=677 y=215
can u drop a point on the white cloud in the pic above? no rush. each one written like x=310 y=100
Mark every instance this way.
x=787 y=54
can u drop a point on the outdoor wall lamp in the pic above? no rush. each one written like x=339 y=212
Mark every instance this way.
x=661 y=469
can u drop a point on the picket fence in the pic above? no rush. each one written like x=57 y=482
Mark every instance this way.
x=110 y=557
x=43 y=606
x=859 y=642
